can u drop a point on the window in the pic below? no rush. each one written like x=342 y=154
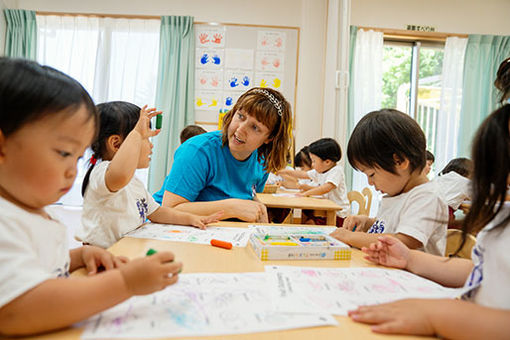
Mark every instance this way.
x=412 y=82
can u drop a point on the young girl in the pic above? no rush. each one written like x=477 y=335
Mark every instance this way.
x=324 y=154
x=224 y=170
x=47 y=120
x=115 y=201
x=389 y=147
x=485 y=310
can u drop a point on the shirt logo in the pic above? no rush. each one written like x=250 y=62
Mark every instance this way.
x=377 y=227
x=141 y=204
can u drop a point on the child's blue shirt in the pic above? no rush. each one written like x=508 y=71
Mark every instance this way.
x=204 y=170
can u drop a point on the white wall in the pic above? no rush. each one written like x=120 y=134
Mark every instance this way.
x=309 y=15
x=450 y=16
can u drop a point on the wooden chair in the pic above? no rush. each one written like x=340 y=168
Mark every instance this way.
x=368 y=197
x=356 y=196
x=453 y=240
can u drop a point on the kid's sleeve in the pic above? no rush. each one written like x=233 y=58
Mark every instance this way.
x=336 y=177
x=188 y=176
x=424 y=214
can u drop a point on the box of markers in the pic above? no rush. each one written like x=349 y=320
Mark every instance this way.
x=298 y=247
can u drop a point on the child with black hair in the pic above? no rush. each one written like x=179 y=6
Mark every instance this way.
x=303 y=162
x=47 y=120
x=328 y=174
x=389 y=147
x=502 y=82
x=115 y=201
x=191 y=131
x=484 y=310
x=429 y=160
x=454 y=186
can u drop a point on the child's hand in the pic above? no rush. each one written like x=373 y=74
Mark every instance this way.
x=355 y=222
x=95 y=257
x=152 y=273
x=143 y=124
x=388 y=251
x=410 y=316
x=202 y=221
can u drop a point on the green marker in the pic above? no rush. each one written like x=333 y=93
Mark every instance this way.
x=159 y=121
x=151 y=252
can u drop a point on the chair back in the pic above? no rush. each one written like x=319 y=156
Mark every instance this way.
x=453 y=240
x=368 y=197
x=356 y=196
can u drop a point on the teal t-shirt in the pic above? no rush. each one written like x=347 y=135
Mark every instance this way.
x=204 y=170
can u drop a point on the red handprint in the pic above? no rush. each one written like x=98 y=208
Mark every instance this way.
x=264 y=62
x=276 y=63
x=215 y=82
x=203 y=81
x=278 y=42
x=264 y=42
x=217 y=38
x=204 y=38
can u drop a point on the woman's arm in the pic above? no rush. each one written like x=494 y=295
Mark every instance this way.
x=245 y=210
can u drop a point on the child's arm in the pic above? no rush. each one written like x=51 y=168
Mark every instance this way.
x=320 y=190
x=361 y=239
x=245 y=210
x=57 y=303
x=92 y=258
x=173 y=216
x=294 y=173
x=389 y=251
x=448 y=319
x=125 y=161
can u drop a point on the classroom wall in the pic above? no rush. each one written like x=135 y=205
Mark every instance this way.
x=451 y=16
x=309 y=15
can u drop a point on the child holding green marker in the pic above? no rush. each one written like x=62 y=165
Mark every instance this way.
x=115 y=201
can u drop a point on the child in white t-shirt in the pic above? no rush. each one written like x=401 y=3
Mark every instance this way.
x=47 y=120
x=115 y=201
x=389 y=147
x=328 y=174
x=484 y=310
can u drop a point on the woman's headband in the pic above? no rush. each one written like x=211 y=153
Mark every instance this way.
x=276 y=103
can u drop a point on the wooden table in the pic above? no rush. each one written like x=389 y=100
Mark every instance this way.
x=321 y=206
x=198 y=258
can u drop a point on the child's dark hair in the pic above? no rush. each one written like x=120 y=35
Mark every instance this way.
x=326 y=148
x=429 y=156
x=502 y=81
x=491 y=170
x=29 y=91
x=302 y=158
x=462 y=166
x=115 y=118
x=191 y=131
x=381 y=138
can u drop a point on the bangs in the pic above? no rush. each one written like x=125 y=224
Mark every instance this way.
x=262 y=110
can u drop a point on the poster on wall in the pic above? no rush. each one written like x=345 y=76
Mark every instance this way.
x=239 y=58
x=209 y=79
x=208 y=100
x=269 y=61
x=210 y=37
x=273 y=80
x=210 y=58
x=240 y=80
x=271 y=41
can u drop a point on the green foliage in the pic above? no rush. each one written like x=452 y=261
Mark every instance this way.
x=397 y=69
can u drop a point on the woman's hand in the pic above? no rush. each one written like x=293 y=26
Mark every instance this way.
x=249 y=211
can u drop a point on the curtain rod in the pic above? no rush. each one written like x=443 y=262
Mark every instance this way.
x=406 y=35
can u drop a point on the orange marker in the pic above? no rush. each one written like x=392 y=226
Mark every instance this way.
x=221 y=244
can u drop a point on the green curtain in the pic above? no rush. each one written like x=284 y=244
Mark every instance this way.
x=175 y=92
x=350 y=115
x=484 y=53
x=21 y=34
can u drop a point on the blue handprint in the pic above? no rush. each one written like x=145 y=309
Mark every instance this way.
x=233 y=82
x=216 y=60
x=228 y=101
x=204 y=59
x=246 y=81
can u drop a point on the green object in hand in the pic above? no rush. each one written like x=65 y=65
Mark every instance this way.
x=151 y=252
x=159 y=121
